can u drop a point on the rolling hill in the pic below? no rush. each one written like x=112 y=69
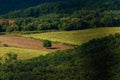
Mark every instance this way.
x=98 y=59
x=23 y=54
x=62 y=15
x=92 y=26
x=83 y=4
x=75 y=37
x=63 y=6
x=11 y=5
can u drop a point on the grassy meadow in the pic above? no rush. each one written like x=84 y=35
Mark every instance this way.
x=23 y=54
x=75 y=37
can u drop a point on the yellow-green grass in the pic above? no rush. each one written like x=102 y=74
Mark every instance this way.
x=75 y=37
x=23 y=54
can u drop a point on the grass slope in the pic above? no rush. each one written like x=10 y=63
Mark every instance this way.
x=75 y=37
x=22 y=53
x=95 y=60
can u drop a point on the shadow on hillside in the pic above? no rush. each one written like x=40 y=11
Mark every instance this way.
x=100 y=60
x=54 y=48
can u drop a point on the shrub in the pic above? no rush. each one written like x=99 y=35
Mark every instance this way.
x=9 y=29
x=5 y=45
x=47 y=43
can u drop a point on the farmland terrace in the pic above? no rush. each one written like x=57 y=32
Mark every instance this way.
x=21 y=42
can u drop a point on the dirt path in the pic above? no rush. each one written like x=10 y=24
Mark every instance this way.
x=30 y=43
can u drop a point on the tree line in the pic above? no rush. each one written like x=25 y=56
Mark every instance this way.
x=81 y=19
x=62 y=15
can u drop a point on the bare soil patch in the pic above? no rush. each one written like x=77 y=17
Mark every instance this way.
x=28 y=43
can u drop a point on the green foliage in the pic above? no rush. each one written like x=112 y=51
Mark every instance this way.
x=50 y=6
x=10 y=57
x=1 y=28
x=5 y=45
x=9 y=29
x=101 y=58
x=6 y=5
x=47 y=43
x=28 y=28
x=45 y=8
x=64 y=15
x=23 y=54
x=81 y=19
x=98 y=59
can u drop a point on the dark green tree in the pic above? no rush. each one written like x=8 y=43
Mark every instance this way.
x=47 y=43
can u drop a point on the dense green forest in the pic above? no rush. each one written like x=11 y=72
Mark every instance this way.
x=11 y=5
x=63 y=15
x=98 y=59
x=81 y=19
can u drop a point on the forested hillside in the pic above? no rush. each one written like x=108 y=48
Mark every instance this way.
x=98 y=59
x=63 y=15
x=11 y=5
x=58 y=7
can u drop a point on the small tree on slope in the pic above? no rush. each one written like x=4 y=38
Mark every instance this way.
x=47 y=44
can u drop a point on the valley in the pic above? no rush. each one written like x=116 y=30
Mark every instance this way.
x=59 y=40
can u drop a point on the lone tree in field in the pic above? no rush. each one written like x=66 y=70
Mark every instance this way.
x=47 y=44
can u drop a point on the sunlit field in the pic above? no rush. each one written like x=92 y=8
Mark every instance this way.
x=75 y=37
x=23 y=54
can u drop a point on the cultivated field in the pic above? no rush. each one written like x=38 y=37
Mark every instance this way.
x=27 y=43
x=29 y=48
x=75 y=37
x=22 y=53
